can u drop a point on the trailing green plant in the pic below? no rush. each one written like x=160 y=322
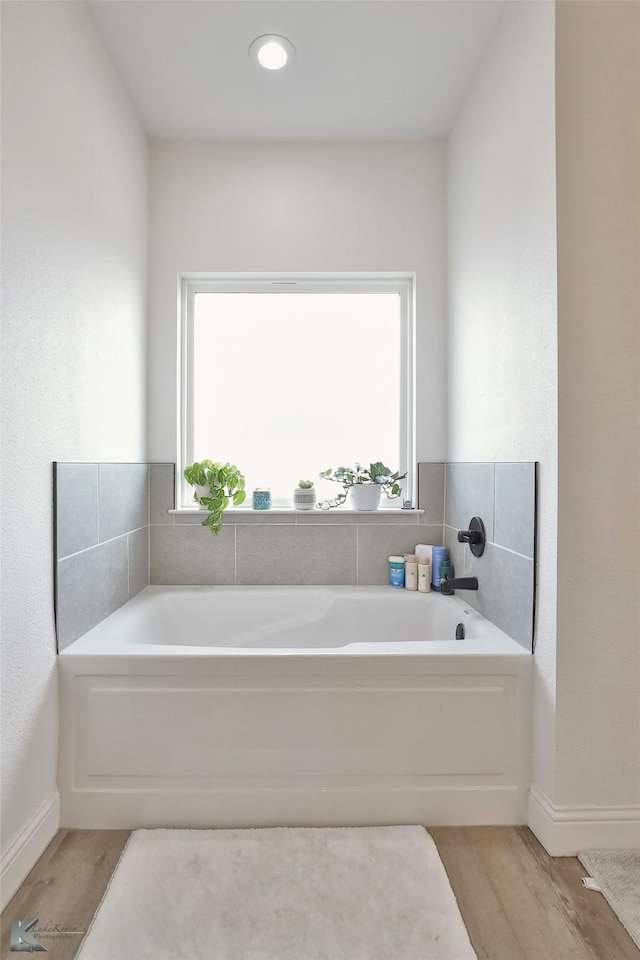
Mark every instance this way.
x=347 y=477
x=223 y=484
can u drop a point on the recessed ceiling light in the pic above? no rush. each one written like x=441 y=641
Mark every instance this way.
x=272 y=52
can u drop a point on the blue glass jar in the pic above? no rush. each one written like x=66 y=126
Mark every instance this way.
x=261 y=498
x=396 y=571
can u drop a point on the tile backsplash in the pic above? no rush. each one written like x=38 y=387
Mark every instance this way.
x=271 y=547
x=115 y=535
x=503 y=495
x=101 y=537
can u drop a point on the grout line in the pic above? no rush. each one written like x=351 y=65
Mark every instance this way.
x=94 y=546
x=498 y=546
x=444 y=502
x=493 y=519
x=97 y=503
x=235 y=554
x=149 y=465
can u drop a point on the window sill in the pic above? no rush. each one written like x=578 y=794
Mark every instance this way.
x=249 y=511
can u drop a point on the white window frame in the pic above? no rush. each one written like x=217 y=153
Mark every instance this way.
x=190 y=284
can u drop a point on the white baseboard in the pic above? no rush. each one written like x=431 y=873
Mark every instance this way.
x=115 y=809
x=565 y=831
x=20 y=856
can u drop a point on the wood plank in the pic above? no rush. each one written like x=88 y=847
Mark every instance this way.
x=65 y=888
x=489 y=930
x=535 y=910
x=587 y=910
x=517 y=902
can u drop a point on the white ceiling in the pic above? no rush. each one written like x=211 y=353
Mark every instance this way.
x=365 y=69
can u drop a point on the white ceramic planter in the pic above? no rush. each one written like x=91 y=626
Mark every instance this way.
x=304 y=498
x=201 y=490
x=365 y=496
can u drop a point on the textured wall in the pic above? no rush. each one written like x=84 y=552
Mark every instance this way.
x=298 y=207
x=598 y=660
x=73 y=337
x=502 y=293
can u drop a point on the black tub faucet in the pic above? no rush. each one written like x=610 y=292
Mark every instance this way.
x=447 y=586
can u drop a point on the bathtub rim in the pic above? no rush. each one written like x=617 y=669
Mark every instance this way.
x=96 y=643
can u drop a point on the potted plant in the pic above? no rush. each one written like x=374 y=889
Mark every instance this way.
x=365 y=484
x=215 y=485
x=304 y=496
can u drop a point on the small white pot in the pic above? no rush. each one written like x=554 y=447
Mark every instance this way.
x=304 y=498
x=365 y=496
x=201 y=490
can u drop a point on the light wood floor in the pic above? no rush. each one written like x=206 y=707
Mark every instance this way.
x=517 y=902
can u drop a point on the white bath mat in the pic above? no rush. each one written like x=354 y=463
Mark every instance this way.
x=352 y=893
x=617 y=875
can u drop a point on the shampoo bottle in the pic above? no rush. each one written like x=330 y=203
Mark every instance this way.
x=410 y=571
x=439 y=554
x=424 y=577
x=423 y=552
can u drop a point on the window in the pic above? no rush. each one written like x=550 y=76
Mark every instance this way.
x=289 y=376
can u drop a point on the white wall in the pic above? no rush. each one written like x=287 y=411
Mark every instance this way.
x=598 y=661
x=502 y=293
x=514 y=332
x=268 y=207
x=74 y=219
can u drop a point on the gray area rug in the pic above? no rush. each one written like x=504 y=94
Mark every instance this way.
x=352 y=893
x=617 y=874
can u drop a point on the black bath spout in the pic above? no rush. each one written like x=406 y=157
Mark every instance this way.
x=458 y=583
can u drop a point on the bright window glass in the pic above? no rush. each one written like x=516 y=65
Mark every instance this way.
x=286 y=383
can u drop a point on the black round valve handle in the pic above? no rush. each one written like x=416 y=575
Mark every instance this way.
x=475 y=536
x=469 y=536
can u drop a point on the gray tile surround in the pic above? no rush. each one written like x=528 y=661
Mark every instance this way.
x=377 y=543
x=123 y=494
x=138 y=550
x=455 y=549
x=161 y=492
x=281 y=554
x=257 y=517
x=378 y=519
x=431 y=492
x=90 y=586
x=505 y=595
x=76 y=506
x=101 y=516
x=515 y=507
x=469 y=486
x=319 y=547
x=128 y=504
x=504 y=496
x=192 y=554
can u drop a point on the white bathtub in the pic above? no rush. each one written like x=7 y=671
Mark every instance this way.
x=300 y=620
x=255 y=706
